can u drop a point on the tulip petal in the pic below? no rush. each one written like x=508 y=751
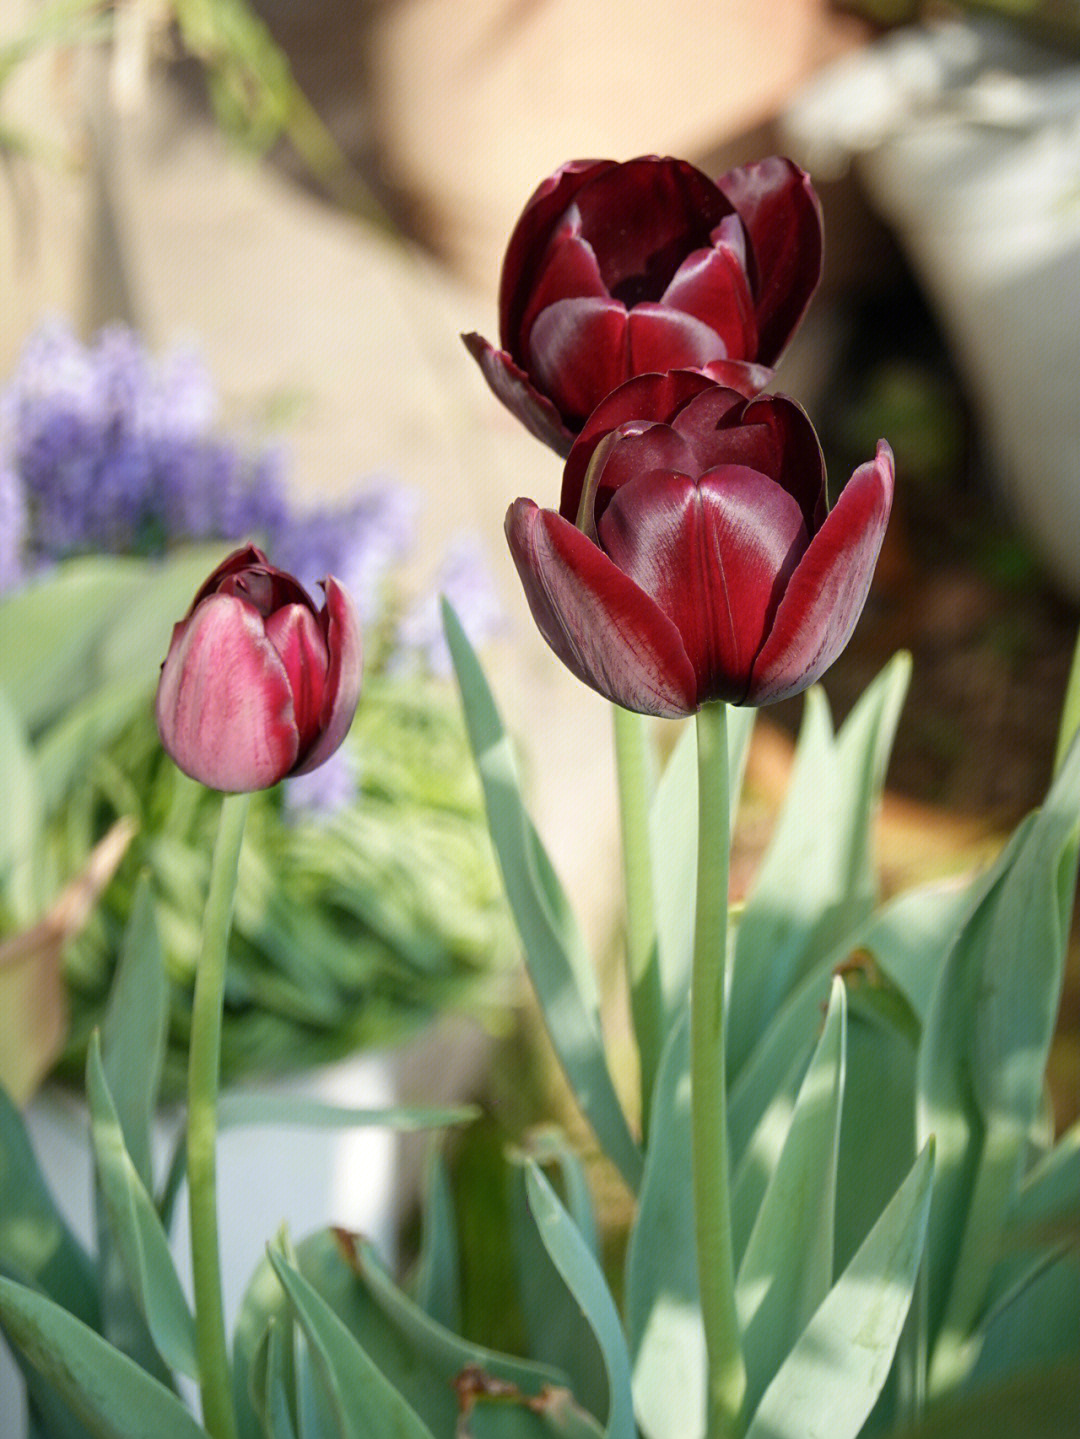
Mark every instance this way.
x=776 y=202
x=739 y=375
x=578 y=353
x=224 y=705
x=711 y=284
x=826 y=594
x=642 y=218
x=567 y=271
x=530 y=238
x=663 y=339
x=772 y=435
x=636 y=449
x=343 y=677
x=605 y=629
x=655 y=398
x=715 y=555
x=510 y=384
x=294 y=632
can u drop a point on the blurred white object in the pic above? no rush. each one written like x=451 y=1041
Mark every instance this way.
x=268 y=1175
x=967 y=141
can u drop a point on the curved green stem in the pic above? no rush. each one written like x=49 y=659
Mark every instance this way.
x=632 y=765
x=712 y=1185
x=204 y=1062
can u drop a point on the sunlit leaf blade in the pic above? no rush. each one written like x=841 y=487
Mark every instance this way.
x=363 y=1403
x=136 y=1229
x=438 y=1268
x=583 y=1277
x=816 y=882
x=20 y=834
x=109 y=1392
x=831 y=1378
x=49 y=633
x=558 y=964
x=279 y=1423
x=134 y=1030
x=787 y=1268
x=36 y=1245
x=663 y=1309
x=430 y=1341
x=241 y=1109
x=556 y=1328
x=983 y=1058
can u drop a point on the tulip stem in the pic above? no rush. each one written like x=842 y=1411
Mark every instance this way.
x=204 y=1062
x=634 y=769
x=712 y=1186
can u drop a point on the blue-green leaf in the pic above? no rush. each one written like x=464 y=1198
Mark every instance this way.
x=136 y=1229
x=663 y=1307
x=105 y=1389
x=787 y=1268
x=363 y=1404
x=20 y=834
x=983 y=1059
x=816 y=883
x=36 y=1246
x=830 y=1380
x=583 y=1277
x=557 y=1330
x=559 y=966
x=134 y=1030
x=438 y=1269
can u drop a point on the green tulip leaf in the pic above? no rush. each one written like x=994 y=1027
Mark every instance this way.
x=136 y=1229
x=112 y=1396
x=438 y=1267
x=277 y=1413
x=787 y=1267
x=983 y=1059
x=359 y=1400
x=585 y=1281
x=36 y=1246
x=663 y=1307
x=559 y=966
x=1051 y=1191
x=135 y=1029
x=832 y=1377
x=50 y=633
x=816 y=883
x=556 y=1328
x=238 y=1109
x=909 y=937
x=20 y=834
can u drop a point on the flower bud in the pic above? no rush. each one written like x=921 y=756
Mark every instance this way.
x=258 y=683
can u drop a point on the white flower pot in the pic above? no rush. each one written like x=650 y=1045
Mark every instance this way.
x=968 y=143
x=268 y=1175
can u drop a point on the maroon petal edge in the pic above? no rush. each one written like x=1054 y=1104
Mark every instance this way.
x=826 y=594
x=512 y=386
x=606 y=630
x=777 y=203
x=343 y=678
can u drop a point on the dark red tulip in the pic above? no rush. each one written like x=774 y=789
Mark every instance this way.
x=616 y=270
x=693 y=556
x=258 y=683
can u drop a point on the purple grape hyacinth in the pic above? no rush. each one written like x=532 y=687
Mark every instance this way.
x=114 y=451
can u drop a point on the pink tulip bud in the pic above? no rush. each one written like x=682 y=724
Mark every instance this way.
x=258 y=683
